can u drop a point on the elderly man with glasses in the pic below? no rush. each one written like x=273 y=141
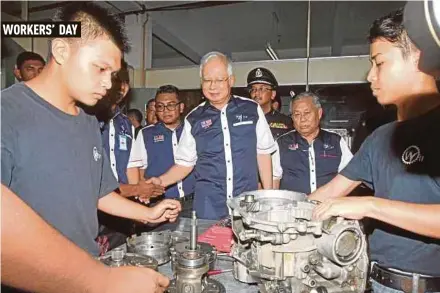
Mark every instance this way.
x=160 y=142
x=225 y=140
x=310 y=156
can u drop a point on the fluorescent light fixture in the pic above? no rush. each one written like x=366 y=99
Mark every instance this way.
x=272 y=54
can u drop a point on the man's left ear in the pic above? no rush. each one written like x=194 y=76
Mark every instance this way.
x=320 y=113
x=182 y=107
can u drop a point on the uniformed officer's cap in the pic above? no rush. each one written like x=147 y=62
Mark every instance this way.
x=261 y=75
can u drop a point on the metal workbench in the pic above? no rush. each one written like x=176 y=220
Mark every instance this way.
x=183 y=226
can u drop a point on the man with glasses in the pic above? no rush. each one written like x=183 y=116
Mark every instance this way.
x=160 y=141
x=225 y=140
x=310 y=156
x=262 y=86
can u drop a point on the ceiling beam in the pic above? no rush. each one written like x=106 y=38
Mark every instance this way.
x=175 y=43
x=41 y=8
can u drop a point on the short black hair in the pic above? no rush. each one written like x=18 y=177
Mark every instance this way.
x=168 y=89
x=149 y=102
x=136 y=114
x=96 y=21
x=123 y=75
x=390 y=27
x=25 y=56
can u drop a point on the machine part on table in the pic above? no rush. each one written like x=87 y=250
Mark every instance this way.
x=179 y=236
x=191 y=262
x=280 y=247
x=119 y=258
x=154 y=244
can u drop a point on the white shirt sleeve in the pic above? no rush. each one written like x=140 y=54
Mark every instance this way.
x=265 y=141
x=346 y=154
x=135 y=159
x=276 y=164
x=144 y=156
x=186 y=153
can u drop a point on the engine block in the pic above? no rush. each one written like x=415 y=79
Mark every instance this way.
x=279 y=246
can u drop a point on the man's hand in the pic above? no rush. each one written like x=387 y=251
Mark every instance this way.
x=135 y=280
x=166 y=210
x=148 y=190
x=354 y=208
x=317 y=195
x=155 y=180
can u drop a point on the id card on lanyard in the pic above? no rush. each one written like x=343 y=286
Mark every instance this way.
x=123 y=142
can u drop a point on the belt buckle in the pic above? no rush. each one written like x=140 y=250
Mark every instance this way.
x=406 y=285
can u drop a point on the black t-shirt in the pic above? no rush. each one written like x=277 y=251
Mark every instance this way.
x=55 y=163
x=278 y=123
x=401 y=161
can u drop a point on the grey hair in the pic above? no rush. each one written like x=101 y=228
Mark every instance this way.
x=214 y=54
x=315 y=99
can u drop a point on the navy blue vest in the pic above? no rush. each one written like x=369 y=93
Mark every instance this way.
x=123 y=138
x=210 y=169
x=158 y=141
x=294 y=155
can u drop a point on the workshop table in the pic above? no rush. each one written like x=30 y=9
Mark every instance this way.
x=183 y=226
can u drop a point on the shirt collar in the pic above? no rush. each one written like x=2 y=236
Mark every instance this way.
x=117 y=112
x=163 y=127
x=232 y=99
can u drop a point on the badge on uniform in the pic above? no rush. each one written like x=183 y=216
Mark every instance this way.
x=122 y=142
x=206 y=124
x=158 y=138
x=293 y=147
x=278 y=125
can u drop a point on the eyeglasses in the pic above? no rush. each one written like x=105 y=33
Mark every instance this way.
x=210 y=82
x=170 y=107
x=262 y=90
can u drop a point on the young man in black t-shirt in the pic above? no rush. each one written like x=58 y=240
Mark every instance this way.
x=400 y=161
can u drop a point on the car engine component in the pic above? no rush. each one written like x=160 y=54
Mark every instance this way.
x=119 y=258
x=154 y=244
x=191 y=262
x=280 y=247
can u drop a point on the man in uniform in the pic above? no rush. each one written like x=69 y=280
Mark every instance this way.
x=310 y=156
x=226 y=140
x=400 y=161
x=125 y=160
x=160 y=141
x=262 y=87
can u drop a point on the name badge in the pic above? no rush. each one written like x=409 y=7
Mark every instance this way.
x=123 y=143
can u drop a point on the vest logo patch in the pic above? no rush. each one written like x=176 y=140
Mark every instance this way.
x=206 y=124
x=278 y=125
x=411 y=155
x=327 y=146
x=96 y=155
x=293 y=147
x=158 y=138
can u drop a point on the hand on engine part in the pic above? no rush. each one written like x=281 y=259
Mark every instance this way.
x=147 y=190
x=354 y=208
x=317 y=196
x=135 y=280
x=166 y=210
x=155 y=180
